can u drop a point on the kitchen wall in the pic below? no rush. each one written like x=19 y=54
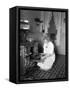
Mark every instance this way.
x=31 y=15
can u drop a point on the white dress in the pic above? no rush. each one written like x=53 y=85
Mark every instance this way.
x=49 y=57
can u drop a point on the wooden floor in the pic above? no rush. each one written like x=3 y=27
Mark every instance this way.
x=57 y=71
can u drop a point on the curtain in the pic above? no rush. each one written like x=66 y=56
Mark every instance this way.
x=57 y=20
x=45 y=17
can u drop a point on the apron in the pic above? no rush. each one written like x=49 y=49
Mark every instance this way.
x=49 y=57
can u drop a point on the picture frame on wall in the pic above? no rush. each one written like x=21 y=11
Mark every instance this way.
x=38 y=44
